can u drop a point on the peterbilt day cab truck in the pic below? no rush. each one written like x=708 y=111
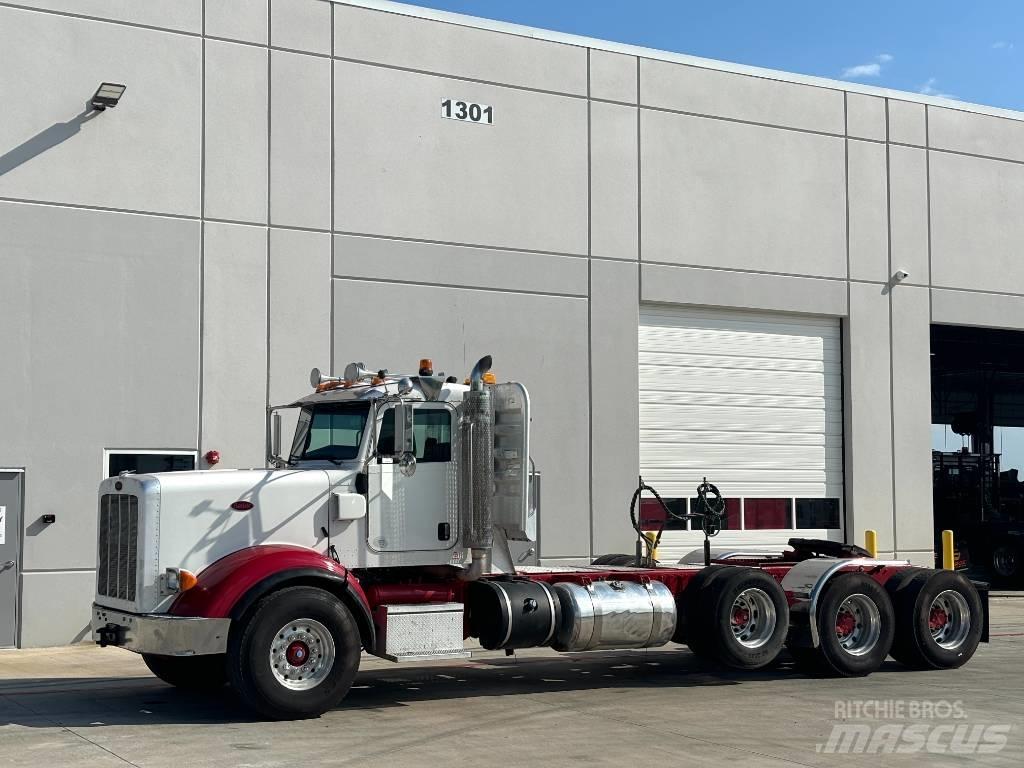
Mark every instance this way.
x=385 y=527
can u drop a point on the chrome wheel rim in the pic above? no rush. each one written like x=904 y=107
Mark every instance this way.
x=858 y=625
x=302 y=654
x=752 y=618
x=949 y=620
x=1004 y=561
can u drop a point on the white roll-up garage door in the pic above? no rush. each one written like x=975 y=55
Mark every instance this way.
x=753 y=402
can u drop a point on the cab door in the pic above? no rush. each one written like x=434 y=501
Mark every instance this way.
x=418 y=511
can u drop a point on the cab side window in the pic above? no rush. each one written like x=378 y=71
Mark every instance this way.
x=432 y=434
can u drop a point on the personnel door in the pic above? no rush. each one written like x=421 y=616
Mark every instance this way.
x=417 y=511
x=10 y=526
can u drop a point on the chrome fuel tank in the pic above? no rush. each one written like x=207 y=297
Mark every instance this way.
x=614 y=614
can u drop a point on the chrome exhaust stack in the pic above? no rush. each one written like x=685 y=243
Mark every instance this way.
x=476 y=478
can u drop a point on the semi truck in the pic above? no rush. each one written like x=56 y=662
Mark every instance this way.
x=388 y=526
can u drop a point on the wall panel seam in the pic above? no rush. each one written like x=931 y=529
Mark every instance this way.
x=386 y=281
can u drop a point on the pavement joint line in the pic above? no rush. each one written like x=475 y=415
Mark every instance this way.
x=69 y=730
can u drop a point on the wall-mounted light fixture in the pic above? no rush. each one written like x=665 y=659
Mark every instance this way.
x=107 y=95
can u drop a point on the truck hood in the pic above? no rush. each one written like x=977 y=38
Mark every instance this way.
x=192 y=519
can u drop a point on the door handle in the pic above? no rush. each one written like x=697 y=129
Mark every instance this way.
x=5 y=566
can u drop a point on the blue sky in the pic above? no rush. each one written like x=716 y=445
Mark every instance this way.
x=973 y=51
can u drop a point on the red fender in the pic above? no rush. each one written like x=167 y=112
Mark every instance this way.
x=228 y=587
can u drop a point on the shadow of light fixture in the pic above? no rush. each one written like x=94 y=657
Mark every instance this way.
x=107 y=95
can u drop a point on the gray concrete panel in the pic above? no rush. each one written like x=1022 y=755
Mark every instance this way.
x=907 y=123
x=455 y=327
x=724 y=194
x=143 y=155
x=236 y=132
x=912 y=417
x=403 y=170
x=244 y=20
x=977 y=229
x=614 y=208
x=464 y=52
x=867 y=181
x=986 y=310
x=908 y=212
x=613 y=76
x=375 y=258
x=740 y=97
x=181 y=15
x=975 y=134
x=742 y=290
x=234 y=344
x=56 y=607
x=300 y=140
x=300 y=310
x=868 y=419
x=104 y=306
x=865 y=117
x=303 y=25
x=615 y=423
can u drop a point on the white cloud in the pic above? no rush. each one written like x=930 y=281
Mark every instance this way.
x=862 y=70
x=1004 y=45
x=929 y=89
x=867 y=69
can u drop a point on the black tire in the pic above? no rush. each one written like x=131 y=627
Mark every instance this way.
x=831 y=658
x=192 y=673
x=746 y=595
x=1007 y=564
x=250 y=669
x=913 y=598
x=690 y=629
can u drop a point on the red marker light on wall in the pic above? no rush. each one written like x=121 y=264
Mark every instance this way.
x=242 y=506
x=212 y=457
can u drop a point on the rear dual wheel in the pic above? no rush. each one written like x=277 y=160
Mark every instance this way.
x=738 y=617
x=939 y=619
x=855 y=624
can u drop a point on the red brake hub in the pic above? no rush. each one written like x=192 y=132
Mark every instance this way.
x=845 y=624
x=740 y=617
x=297 y=653
x=937 y=619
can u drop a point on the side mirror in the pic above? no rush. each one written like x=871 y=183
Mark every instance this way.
x=403 y=429
x=275 y=443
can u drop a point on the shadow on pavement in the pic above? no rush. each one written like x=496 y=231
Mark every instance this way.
x=99 y=701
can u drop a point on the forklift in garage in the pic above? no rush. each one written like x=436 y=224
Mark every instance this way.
x=978 y=391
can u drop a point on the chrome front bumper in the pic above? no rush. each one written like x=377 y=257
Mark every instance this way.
x=159 y=633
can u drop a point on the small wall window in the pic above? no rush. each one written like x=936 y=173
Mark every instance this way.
x=146 y=462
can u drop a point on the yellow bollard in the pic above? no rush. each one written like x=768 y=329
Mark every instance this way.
x=948 y=558
x=651 y=536
x=871 y=542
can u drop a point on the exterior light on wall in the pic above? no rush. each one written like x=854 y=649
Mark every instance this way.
x=212 y=457
x=107 y=95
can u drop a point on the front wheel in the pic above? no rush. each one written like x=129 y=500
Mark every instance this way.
x=193 y=673
x=297 y=654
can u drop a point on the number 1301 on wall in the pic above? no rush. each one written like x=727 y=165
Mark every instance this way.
x=467 y=111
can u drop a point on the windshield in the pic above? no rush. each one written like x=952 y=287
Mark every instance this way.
x=330 y=432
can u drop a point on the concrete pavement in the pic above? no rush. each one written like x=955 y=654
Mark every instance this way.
x=85 y=706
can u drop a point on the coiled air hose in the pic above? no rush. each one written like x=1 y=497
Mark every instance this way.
x=710 y=507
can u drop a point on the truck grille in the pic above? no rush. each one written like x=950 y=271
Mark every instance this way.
x=118 y=546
